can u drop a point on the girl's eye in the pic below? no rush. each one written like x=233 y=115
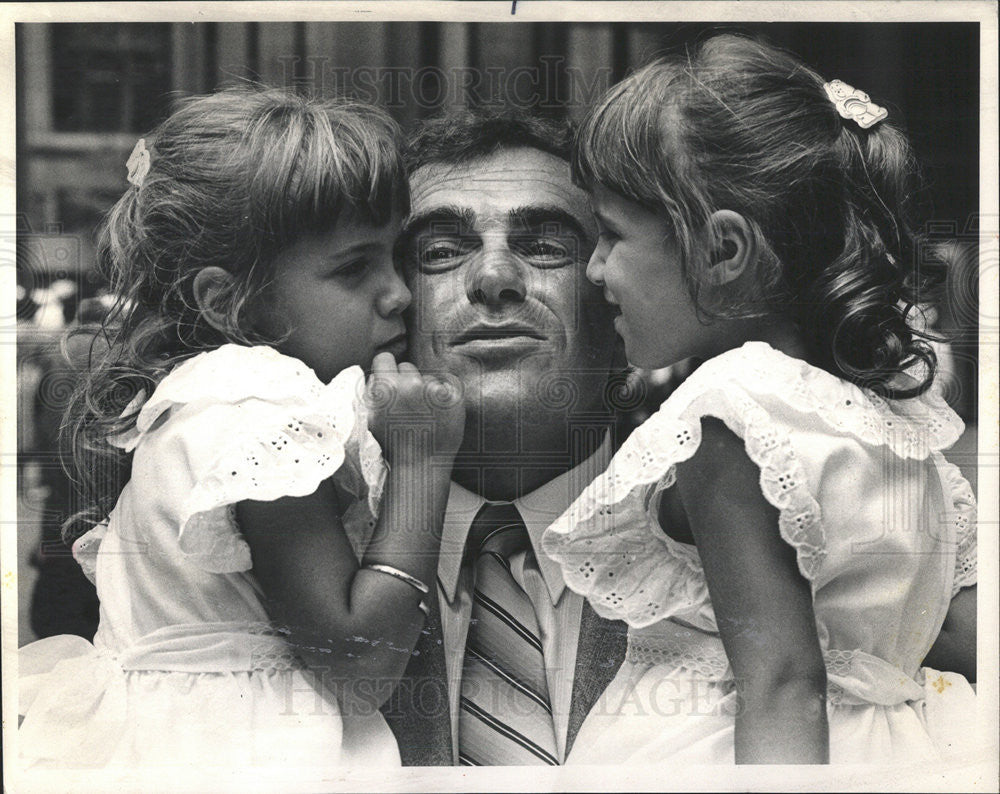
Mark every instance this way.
x=352 y=269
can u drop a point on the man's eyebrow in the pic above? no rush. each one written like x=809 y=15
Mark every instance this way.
x=450 y=217
x=543 y=216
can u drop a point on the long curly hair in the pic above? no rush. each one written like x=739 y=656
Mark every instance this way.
x=738 y=124
x=235 y=177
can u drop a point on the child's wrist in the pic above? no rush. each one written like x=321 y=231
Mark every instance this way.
x=435 y=466
x=416 y=446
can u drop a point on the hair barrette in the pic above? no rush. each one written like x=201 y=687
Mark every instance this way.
x=852 y=103
x=138 y=163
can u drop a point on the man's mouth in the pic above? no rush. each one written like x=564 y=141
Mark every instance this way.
x=498 y=334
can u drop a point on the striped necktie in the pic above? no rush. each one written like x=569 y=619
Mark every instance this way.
x=505 y=717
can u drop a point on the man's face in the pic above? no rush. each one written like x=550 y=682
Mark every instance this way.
x=495 y=254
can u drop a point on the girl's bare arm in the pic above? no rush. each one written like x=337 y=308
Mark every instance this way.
x=354 y=626
x=762 y=604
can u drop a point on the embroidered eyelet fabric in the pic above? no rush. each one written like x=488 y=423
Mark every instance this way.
x=801 y=427
x=267 y=428
x=883 y=528
x=185 y=667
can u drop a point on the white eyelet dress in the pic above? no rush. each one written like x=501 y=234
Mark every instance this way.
x=884 y=532
x=186 y=672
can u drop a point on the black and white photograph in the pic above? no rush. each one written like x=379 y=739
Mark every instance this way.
x=393 y=389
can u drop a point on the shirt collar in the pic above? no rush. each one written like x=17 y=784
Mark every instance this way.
x=539 y=509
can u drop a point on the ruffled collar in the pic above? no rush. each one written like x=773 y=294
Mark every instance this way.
x=911 y=428
x=229 y=374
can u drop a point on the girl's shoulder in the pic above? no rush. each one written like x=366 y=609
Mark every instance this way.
x=237 y=376
x=758 y=378
x=227 y=375
x=248 y=423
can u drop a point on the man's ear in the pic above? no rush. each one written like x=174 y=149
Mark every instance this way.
x=734 y=247
x=208 y=284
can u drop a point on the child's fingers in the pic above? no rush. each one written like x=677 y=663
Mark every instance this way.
x=384 y=364
x=405 y=367
x=380 y=393
x=441 y=392
x=380 y=390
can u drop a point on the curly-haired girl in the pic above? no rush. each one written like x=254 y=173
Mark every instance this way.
x=783 y=536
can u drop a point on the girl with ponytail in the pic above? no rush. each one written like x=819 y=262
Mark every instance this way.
x=783 y=536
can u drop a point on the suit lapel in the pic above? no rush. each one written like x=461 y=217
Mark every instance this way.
x=600 y=652
x=418 y=711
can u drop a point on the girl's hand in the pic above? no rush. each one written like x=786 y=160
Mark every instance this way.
x=400 y=397
x=955 y=647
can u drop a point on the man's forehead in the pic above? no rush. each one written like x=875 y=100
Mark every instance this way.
x=492 y=186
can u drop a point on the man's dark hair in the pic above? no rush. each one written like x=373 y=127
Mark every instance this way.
x=468 y=134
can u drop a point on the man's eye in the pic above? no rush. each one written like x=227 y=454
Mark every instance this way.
x=441 y=254
x=546 y=251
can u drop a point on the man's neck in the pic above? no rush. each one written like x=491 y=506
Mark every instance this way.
x=507 y=469
x=506 y=483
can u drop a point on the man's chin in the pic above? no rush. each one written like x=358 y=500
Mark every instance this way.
x=520 y=395
x=494 y=392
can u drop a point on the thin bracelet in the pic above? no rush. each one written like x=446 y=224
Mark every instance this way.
x=413 y=581
x=403 y=576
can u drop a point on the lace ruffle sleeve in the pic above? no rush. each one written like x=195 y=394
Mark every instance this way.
x=609 y=543
x=255 y=424
x=964 y=506
x=86 y=547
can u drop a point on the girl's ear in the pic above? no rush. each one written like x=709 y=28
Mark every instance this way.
x=735 y=247
x=209 y=282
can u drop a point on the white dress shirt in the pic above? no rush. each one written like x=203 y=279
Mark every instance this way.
x=558 y=608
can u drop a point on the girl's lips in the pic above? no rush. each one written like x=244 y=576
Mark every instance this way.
x=396 y=346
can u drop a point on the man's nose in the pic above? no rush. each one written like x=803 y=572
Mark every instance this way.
x=497 y=277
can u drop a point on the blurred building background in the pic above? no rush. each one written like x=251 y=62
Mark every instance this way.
x=86 y=92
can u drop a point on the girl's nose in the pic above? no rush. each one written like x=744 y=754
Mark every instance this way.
x=595 y=267
x=396 y=297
